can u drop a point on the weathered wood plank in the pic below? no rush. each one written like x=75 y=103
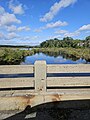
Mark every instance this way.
x=16 y=69
x=68 y=81
x=69 y=68
x=16 y=82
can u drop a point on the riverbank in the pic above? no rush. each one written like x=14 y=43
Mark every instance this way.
x=71 y=53
x=13 y=56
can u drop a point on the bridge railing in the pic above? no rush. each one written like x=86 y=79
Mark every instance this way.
x=71 y=81
x=68 y=75
x=44 y=76
x=14 y=76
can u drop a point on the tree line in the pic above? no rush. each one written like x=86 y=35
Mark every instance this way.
x=66 y=42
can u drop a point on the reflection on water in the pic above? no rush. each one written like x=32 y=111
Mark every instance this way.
x=54 y=59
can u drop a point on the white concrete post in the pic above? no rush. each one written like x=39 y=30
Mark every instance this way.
x=40 y=76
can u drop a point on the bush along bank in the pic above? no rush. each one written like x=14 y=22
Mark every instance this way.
x=9 y=56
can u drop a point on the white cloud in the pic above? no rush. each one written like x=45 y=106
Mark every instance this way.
x=52 y=25
x=13 y=28
x=28 y=43
x=8 y=36
x=12 y=35
x=61 y=31
x=78 y=32
x=34 y=37
x=38 y=30
x=28 y=38
x=24 y=38
x=64 y=33
x=56 y=8
x=71 y=34
x=24 y=28
x=84 y=28
x=7 y=18
x=56 y=36
x=56 y=24
x=16 y=9
x=1 y=35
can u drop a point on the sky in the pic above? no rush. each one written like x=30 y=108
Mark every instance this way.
x=29 y=22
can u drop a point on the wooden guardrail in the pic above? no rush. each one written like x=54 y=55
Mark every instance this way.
x=22 y=85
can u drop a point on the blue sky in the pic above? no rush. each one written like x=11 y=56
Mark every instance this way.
x=29 y=22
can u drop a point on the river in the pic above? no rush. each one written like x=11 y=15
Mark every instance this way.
x=53 y=59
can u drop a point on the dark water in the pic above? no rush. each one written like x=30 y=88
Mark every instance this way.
x=53 y=59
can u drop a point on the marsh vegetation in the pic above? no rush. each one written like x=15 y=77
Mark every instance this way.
x=9 y=56
x=68 y=48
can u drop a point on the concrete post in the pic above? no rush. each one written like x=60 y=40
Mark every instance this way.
x=40 y=76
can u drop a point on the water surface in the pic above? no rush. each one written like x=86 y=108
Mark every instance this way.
x=52 y=60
